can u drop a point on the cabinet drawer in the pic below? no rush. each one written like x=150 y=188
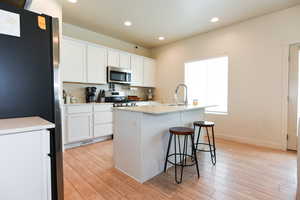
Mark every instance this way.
x=100 y=108
x=103 y=130
x=79 y=109
x=103 y=117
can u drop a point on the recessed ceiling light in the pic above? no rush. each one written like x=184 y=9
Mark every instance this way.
x=72 y=1
x=214 y=19
x=127 y=23
x=161 y=38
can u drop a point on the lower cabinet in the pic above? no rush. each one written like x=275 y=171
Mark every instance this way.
x=101 y=130
x=25 y=171
x=87 y=121
x=79 y=127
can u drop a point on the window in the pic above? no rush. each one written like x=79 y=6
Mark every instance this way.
x=207 y=81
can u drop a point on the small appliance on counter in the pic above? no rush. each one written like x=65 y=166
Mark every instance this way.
x=150 y=95
x=90 y=93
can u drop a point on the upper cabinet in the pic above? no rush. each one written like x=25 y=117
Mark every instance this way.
x=149 y=72
x=113 y=58
x=125 y=60
x=96 y=64
x=73 y=62
x=137 y=67
x=84 y=62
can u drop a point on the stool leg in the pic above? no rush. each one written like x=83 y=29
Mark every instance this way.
x=214 y=145
x=168 y=150
x=184 y=152
x=194 y=152
x=199 y=133
x=175 y=154
x=210 y=150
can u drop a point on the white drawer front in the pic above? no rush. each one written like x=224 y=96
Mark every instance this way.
x=103 y=130
x=79 y=109
x=103 y=117
x=100 y=108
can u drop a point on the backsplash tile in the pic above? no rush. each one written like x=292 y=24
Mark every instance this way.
x=78 y=90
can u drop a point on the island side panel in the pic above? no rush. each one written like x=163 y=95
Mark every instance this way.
x=127 y=143
x=155 y=137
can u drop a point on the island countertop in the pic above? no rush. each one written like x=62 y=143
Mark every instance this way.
x=26 y=124
x=162 y=109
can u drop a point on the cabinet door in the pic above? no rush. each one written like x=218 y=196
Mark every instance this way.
x=103 y=130
x=137 y=67
x=125 y=60
x=103 y=117
x=73 y=61
x=149 y=72
x=25 y=166
x=79 y=127
x=96 y=64
x=113 y=58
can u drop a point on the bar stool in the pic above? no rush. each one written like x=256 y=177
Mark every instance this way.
x=183 y=154
x=212 y=147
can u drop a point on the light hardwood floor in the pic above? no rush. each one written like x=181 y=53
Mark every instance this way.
x=242 y=172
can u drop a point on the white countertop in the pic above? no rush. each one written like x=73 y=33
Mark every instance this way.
x=162 y=109
x=18 y=125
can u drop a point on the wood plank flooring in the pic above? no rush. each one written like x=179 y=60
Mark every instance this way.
x=243 y=172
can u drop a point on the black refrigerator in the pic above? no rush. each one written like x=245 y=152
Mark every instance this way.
x=29 y=79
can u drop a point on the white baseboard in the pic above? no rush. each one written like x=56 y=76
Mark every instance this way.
x=256 y=142
x=86 y=142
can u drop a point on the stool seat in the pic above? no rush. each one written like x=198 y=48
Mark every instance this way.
x=181 y=131
x=204 y=123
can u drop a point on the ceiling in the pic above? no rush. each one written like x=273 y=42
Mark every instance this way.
x=173 y=19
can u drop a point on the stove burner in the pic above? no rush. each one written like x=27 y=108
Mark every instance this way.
x=127 y=104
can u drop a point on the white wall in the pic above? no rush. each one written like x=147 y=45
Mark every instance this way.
x=97 y=38
x=258 y=74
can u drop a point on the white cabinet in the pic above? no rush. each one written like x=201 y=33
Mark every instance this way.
x=85 y=62
x=79 y=123
x=149 y=72
x=87 y=121
x=25 y=166
x=79 y=127
x=101 y=130
x=96 y=64
x=103 y=119
x=113 y=58
x=137 y=67
x=125 y=60
x=73 y=62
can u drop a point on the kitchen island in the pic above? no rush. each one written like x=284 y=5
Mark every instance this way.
x=141 y=136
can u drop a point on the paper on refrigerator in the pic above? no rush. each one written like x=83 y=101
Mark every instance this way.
x=9 y=23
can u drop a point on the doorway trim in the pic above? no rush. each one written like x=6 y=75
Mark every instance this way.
x=293 y=84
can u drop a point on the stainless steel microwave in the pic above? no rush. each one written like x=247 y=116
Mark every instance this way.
x=118 y=75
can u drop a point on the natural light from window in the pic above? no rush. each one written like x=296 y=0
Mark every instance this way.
x=207 y=82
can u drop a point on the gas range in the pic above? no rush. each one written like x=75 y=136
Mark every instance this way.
x=119 y=99
x=125 y=104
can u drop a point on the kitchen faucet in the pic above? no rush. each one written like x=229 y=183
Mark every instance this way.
x=186 y=93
